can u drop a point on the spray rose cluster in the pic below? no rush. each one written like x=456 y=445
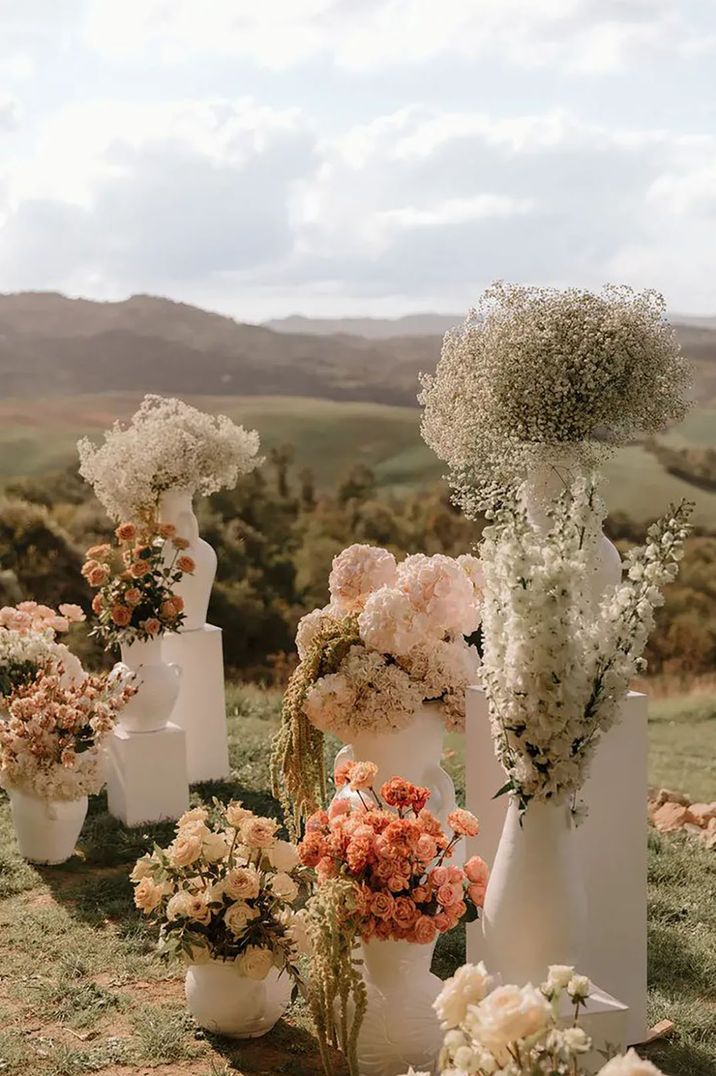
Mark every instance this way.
x=410 y=621
x=28 y=643
x=50 y=746
x=135 y=581
x=398 y=857
x=225 y=889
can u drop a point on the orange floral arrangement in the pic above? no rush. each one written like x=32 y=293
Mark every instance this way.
x=135 y=580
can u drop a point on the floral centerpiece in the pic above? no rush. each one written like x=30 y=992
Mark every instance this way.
x=224 y=893
x=167 y=445
x=537 y=373
x=392 y=636
x=135 y=581
x=384 y=875
x=28 y=643
x=517 y=1031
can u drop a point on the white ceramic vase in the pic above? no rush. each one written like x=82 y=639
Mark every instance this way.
x=46 y=830
x=157 y=682
x=535 y=906
x=414 y=753
x=223 y=1000
x=175 y=507
x=400 y=1027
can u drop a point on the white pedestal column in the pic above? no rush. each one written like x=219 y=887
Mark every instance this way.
x=146 y=775
x=612 y=842
x=200 y=709
x=605 y=1020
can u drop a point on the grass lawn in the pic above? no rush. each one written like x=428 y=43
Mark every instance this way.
x=81 y=990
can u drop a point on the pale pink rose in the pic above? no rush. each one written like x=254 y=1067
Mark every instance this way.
x=448 y=894
x=73 y=613
x=477 y=870
x=439 y=876
x=236 y=814
x=476 y=892
x=424 y=930
x=357 y=572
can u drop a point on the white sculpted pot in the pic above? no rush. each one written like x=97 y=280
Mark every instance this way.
x=157 y=682
x=175 y=507
x=413 y=753
x=47 y=830
x=535 y=905
x=226 y=1002
x=400 y=1027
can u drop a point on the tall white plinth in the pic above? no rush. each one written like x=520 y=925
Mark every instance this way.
x=605 y=1020
x=612 y=843
x=146 y=775
x=200 y=709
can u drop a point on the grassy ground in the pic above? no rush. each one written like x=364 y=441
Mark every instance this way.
x=81 y=990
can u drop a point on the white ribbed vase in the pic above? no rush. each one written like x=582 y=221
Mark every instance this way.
x=223 y=1000
x=535 y=906
x=400 y=1027
x=175 y=507
x=157 y=682
x=414 y=753
x=47 y=830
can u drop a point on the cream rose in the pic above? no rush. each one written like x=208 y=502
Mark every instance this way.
x=284 y=886
x=242 y=883
x=629 y=1064
x=198 y=909
x=256 y=963
x=558 y=975
x=238 y=917
x=215 y=847
x=283 y=856
x=259 y=832
x=508 y=1014
x=236 y=814
x=143 y=868
x=298 y=933
x=468 y=986
x=147 y=895
x=196 y=814
x=178 y=906
x=185 y=849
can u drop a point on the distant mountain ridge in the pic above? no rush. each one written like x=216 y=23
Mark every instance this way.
x=52 y=346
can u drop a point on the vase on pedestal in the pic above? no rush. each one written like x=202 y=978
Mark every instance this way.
x=400 y=1027
x=535 y=906
x=175 y=507
x=226 y=1002
x=414 y=753
x=47 y=830
x=157 y=682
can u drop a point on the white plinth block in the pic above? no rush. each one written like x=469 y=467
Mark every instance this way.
x=605 y=1020
x=612 y=842
x=200 y=708
x=146 y=775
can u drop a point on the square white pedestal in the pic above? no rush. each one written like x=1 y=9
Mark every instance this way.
x=605 y=1020
x=200 y=708
x=612 y=843
x=147 y=776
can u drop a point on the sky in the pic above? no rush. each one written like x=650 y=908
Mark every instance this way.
x=357 y=157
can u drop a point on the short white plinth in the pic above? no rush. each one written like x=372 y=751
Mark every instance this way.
x=612 y=842
x=146 y=775
x=605 y=1020
x=200 y=708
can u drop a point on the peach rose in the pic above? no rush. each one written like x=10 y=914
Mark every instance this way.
x=186 y=564
x=463 y=823
x=362 y=775
x=168 y=610
x=180 y=543
x=98 y=552
x=448 y=894
x=236 y=814
x=97 y=604
x=152 y=625
x=167 y=530
x=147 y=895
x=178 y=603
x=443 y=922
x=424 y=930
x=133 y=596
x=382 y=905
x=185 y=849
x=476 y=893
x=439 y=876
x=477 y=870
x=340 y=773
x=405 y=914
x=139 y=568
x=426 y=848
x=126 y=532
x=97 y=576
x=259 y=832
x=121 y=615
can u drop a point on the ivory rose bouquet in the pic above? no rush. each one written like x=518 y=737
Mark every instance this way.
x=517 y=1031
x=384 y=872
x=392 y=636
x=135 y=582
x=50 y=746
x=226 y=889
x=167 y=445
x=28 y=643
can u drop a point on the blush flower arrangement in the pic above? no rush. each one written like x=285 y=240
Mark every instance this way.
x=226 y=889
x=517 y=1030
x=383 y=870
x=166 y=445
x=51 y=744
x=392 y=636
x=135 y=580
x=28 y=643
x=554 y=673
x=537 y=371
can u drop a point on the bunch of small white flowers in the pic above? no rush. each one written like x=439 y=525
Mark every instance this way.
x=555 y=666
x=226 y=889
x=537 y=369
x=166 y=445
x=517 y=1030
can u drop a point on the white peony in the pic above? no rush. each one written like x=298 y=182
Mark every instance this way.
x=629 y=1064
x=508 y=1014
x=256 y=963
x=558 y=975
x=468 y=986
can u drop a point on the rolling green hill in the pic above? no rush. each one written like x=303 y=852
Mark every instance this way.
x=330 y=437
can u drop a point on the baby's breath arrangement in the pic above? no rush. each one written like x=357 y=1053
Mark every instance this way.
x=167 y=445
x=538 y=370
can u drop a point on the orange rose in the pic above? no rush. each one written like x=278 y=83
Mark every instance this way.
x=121 y=615
x=152 y=626
x=98 y=552
x=98 y=576
x=167 y=530
x=88 y=566
x=133 y=596
x=168 y=610
x=186 y=564
x=140 y=568
x=126 y=532
x=178 y=603
x=180 y=543
x=97 y=604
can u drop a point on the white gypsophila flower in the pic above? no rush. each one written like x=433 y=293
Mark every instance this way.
x=554 y=671
x=468 y=986
x=534 y=368
x=167 y=445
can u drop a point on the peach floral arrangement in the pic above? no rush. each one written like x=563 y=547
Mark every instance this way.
x=135 y=582
x=392 y=636
x=226 y=889
x=384 y=872
x=28 y=643
x=50 y=746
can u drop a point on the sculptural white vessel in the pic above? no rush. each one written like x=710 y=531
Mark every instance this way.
x=223 y=1000
x=176 y=507
x=47 y=830
x=157 y=682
